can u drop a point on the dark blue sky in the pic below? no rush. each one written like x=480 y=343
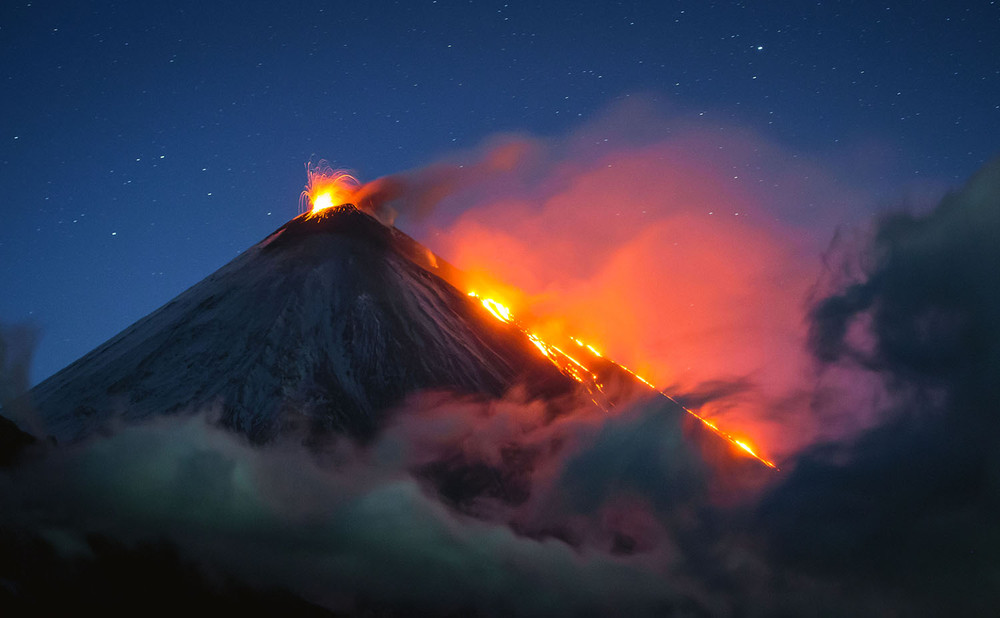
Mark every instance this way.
x=143 y=145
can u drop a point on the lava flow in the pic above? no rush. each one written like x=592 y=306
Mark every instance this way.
x=574 y=368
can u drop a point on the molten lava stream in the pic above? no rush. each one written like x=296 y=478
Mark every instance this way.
x=575 y=369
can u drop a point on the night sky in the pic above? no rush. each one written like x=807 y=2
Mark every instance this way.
x=143 y=145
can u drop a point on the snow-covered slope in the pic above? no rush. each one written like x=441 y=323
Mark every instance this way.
x=326 y=324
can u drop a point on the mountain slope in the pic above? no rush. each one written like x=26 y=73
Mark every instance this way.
x=326 y=323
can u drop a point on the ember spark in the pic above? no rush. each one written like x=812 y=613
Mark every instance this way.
x=327 y=188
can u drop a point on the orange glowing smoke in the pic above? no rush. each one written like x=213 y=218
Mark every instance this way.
x=677 y=268
x=327 y=188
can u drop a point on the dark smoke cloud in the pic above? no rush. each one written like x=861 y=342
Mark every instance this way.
x=912 y=504
x=416 y=193
x=714 y=390
x=503 y=461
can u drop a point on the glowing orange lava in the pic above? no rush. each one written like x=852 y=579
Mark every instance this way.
x=327 y=188
x=499 y=311
x=575 y=369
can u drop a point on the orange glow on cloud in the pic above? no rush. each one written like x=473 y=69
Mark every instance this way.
x=664 y=262
x=684 y=251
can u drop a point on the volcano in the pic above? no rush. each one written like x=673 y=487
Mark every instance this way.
x=326 y=328
x=325 y=325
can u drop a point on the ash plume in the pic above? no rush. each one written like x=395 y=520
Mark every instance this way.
x=416 y=193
